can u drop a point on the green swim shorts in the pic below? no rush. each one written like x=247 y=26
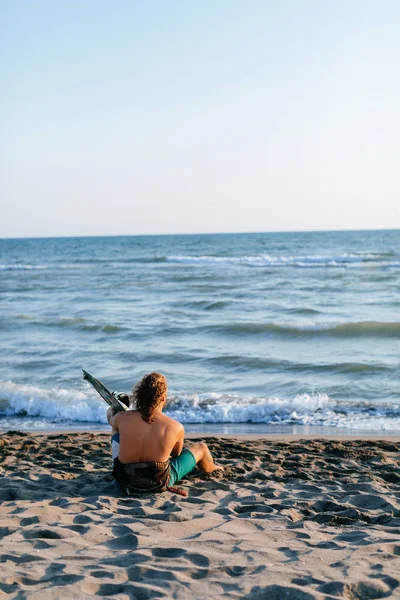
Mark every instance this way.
x=181 y=465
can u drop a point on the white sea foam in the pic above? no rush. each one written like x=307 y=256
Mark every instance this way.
x=27 y=267
x=267 y=260
x=53 y=404
x=22 y=267
x=258 y=260
x=57 y=405
x=303 y=409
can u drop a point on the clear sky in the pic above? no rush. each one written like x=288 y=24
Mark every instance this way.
x=146 y=116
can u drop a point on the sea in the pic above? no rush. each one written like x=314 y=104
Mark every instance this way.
x=258 y=332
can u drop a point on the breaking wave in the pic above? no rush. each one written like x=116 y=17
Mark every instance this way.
x=61 y=405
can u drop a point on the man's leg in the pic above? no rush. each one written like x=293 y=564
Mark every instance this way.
x=204 y=459
x=197 y=454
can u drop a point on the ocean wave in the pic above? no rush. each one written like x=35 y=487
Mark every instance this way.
x=83 y=264
x=267 y=260
x=257 y=260
x=73 y=322
x=58 y=405
x=22 y=267
x=347 y=329
x=48 y=266
x=257 y=363
x=54 y=404
x=301 y=310
x=303 y=409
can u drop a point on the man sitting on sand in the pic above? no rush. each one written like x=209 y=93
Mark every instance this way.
x=143 y=440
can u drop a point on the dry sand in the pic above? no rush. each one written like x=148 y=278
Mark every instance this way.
x=294 y=519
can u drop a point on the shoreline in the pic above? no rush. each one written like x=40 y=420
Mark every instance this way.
x=234 y=430
x=241 y=437
x=271 y=437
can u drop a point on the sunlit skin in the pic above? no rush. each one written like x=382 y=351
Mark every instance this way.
x=157 y=441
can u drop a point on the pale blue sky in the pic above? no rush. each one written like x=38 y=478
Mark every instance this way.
x=133 y=117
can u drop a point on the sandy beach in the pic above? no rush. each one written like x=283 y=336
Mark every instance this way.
x=295 y=518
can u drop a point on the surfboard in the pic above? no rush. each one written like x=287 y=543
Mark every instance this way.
x=101 y=389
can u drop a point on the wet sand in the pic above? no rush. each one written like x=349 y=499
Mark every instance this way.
x=290 y=518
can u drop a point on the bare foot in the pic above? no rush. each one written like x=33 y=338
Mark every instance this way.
x=219 y=471
x=218 y=467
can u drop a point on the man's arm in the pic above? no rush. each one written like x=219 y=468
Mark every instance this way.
x=112 y=415
x=178 y=447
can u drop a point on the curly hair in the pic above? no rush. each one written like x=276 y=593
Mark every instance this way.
x=148 y=395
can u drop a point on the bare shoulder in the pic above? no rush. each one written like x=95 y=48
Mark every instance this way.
x=124 y=418
x=126 y=415
x=172 y=424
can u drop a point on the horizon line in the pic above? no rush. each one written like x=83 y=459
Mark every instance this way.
x=108 y=235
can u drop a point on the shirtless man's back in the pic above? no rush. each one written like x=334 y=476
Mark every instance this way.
x=148 y=438
x=141 y=441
